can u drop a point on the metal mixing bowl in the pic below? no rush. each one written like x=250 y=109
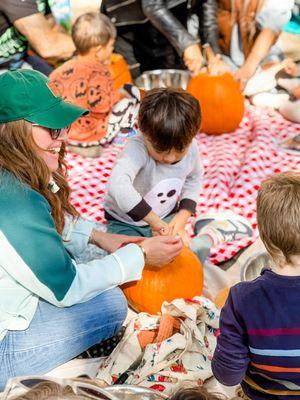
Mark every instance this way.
x=157 y=78
x=253 y=266
x=131 y=392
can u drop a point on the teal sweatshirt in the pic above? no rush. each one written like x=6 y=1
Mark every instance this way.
x=34 y=262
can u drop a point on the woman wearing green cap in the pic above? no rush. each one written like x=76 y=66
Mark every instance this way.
x=52 y=308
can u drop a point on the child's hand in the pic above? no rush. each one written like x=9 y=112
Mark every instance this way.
x=161 y=228
x=184 y=237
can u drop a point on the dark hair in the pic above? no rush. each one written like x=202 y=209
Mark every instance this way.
x=195 y=393
x=91 y=30
x=170 y=118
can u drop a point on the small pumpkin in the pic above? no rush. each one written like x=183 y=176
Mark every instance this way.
x=221 y=102
x=181 y=278
x=221 y=298
x=119 y=69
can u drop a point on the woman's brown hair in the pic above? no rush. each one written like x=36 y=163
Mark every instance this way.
x=18 y=155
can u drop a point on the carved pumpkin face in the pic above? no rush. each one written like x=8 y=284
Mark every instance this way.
x=182 y=278
x=221 y=102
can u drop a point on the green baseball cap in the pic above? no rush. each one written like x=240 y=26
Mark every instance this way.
x=30 y=95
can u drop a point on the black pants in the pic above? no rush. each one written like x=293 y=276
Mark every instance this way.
x=145 y=48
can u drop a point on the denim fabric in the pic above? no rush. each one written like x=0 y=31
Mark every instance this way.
x=56 y=335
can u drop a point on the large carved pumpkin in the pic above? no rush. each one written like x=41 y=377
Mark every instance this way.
x=119 y=70
x=182 y=278
x=221 y=102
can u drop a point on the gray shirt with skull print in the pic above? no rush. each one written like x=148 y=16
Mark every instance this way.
x=139 y=184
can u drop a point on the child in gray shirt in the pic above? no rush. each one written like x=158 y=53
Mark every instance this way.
x=155 y=184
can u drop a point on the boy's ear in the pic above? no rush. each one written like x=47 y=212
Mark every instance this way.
x=99 y=50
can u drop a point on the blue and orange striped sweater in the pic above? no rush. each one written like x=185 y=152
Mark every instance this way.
x=259 y=342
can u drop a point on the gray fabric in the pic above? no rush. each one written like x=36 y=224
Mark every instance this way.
x=201 y=246
x=137 y=178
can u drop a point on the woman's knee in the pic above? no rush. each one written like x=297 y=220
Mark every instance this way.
x=114 y=304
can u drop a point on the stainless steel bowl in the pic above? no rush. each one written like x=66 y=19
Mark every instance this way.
x=253 y=266
x=157 y=78
x=131 y=392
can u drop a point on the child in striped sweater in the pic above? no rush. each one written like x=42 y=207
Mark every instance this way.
x=259 y=342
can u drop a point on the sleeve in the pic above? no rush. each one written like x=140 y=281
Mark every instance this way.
x=193 y=182
x=33 y=253
x=274 y=14
x=231 y=357
x=168 y=25
x=16 y=9
x=121 y=183
x=209 y=28
x=76 y=234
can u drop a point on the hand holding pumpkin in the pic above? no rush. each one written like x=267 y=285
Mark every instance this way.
x=193 y=59
x=217 y=66
x=160 y=250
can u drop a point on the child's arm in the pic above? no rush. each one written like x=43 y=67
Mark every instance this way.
x=231 y=357
x=121 y=187
x=158 y=226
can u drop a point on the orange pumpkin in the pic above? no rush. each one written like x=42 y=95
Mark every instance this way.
x=221 y=298
x=119 y=70
x=221 y=102
x=182 y=278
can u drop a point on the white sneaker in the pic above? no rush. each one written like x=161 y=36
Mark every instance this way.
x=223 y=227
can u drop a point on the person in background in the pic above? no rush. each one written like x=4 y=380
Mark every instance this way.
x=259 y=324
x=153 y=34
x=53 y=307
x=87 y=82
x=24 y=23
x=248 y=32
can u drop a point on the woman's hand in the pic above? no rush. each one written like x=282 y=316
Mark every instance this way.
x=193 y=59
x=160 y=250
x=111 y=241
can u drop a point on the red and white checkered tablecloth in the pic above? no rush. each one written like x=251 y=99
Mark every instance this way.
x=234 y=165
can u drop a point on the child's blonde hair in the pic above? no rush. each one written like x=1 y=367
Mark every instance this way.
x=278 y=216
x=92 y=30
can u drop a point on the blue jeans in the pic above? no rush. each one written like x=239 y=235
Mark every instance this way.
x=56 y=335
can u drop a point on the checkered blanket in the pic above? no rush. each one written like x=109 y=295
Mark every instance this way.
x=235 y=164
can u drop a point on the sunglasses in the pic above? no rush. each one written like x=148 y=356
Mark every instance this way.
x=19 y=386
x=55 y=133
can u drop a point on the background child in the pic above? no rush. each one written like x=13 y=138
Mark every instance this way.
x=156 y=181
x=87 y=82
x=195 y=393
x=259 y=327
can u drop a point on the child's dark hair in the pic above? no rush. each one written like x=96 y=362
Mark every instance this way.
x=195 y=393
x=169 y=118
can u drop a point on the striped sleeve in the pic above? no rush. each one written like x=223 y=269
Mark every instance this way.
x=231 y=357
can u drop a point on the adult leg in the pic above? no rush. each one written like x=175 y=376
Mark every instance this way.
x=56 y=335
